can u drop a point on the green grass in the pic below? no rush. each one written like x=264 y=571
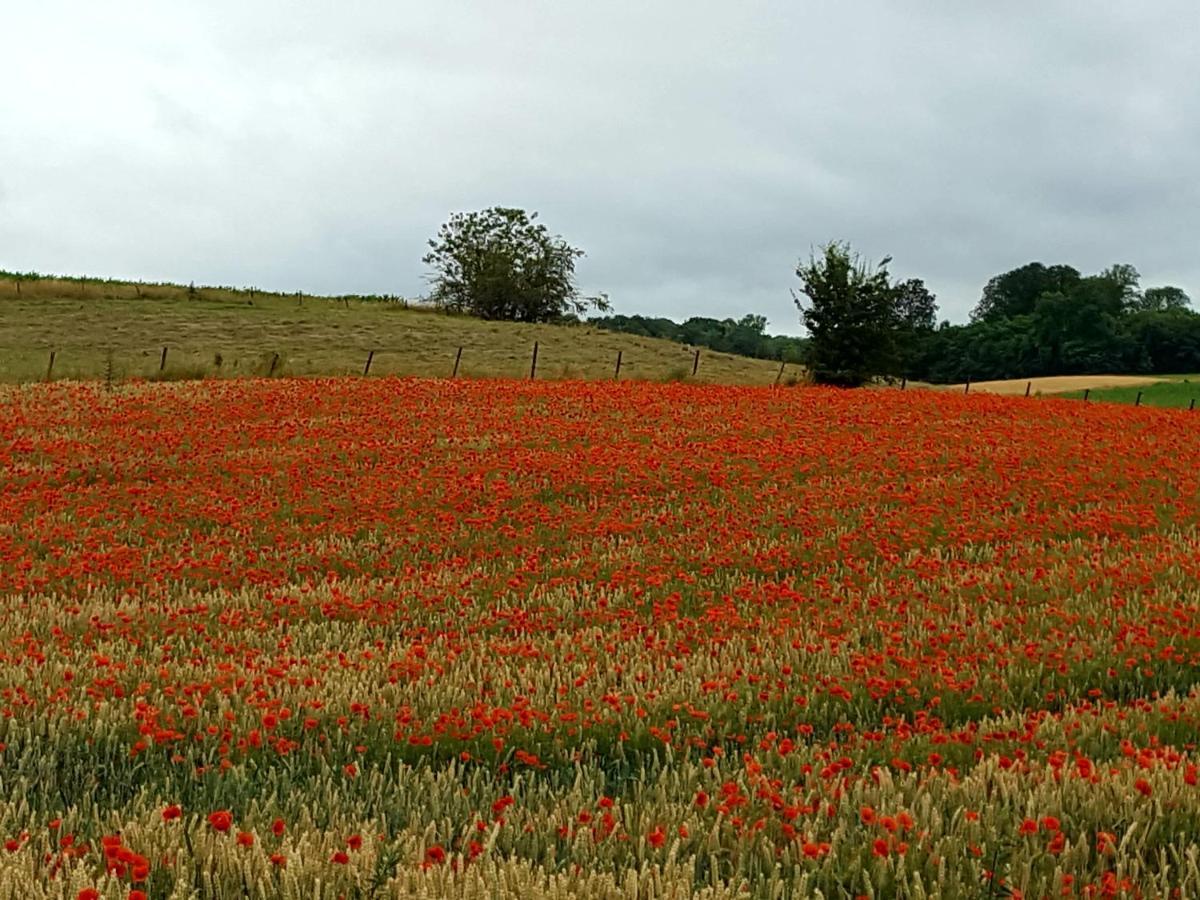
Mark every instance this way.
x=1176 y=391
x=95 y=327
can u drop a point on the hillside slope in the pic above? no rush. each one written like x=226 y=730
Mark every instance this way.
x=93 y=326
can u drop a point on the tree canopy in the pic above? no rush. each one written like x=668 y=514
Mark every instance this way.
x=502 y=264
x=861 y=326
x=1051 y=320
x=1016 y=292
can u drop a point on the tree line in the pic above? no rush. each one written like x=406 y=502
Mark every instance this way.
x=1031 y=321
x=1053 y=320
x=863 y=325
x=746 y=336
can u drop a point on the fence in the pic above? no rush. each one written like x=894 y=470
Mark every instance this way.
x=101 y=364
x=173 y=362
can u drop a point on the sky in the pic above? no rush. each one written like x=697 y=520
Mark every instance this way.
x=695 y=150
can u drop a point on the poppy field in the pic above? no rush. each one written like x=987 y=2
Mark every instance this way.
x=394 y=637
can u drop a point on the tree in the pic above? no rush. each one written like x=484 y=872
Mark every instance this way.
x=1078 y=332
x=745 y=336
x=501 y=264
x=1015 y=293
x=1124 y=279
x=916 y=307
x=1161 y=299
x=850 y=316
x=915 y=310
x=1162 y=341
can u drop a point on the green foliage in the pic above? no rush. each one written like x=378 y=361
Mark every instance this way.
x=501 y=264
x=1037 y=320
x=861 y=326
x=1016 y=292
x=916 y=307
x=1123 y=279
x=745 y=337
x=1162 y=299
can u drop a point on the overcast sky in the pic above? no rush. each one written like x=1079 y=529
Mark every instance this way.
x=694 y=149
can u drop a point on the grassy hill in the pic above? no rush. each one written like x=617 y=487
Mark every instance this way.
x=94 y=327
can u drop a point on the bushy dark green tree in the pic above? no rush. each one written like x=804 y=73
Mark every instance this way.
x=1079 y=332
x=501 y=264
x=853 y=317
x=916 y=314
x=1162 y=299
x=1163 y=341
x=916 y=307
x=1016 y=292
x=1124 y=280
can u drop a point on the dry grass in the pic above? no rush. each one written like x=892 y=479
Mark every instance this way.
x=1057 y=384
x=223 y=332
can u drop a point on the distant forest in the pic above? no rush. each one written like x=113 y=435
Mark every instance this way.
x=1052 y=320
x=746 y=336
x=1034 y=320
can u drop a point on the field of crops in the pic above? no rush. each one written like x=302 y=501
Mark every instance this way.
x=382 y=638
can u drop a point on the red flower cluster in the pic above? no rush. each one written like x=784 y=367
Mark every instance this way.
x=811 y=625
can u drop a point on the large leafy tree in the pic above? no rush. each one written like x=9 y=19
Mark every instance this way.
x=852 y=314
x=500 y=263
x=915 y=306
x=1162 y=299
x=1123 y=279
x=1015 y=293
x=915 y=311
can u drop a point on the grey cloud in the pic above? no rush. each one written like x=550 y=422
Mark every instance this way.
x=695 y=150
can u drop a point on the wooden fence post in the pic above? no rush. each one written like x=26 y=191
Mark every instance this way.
x=1028 y=387
x=50 y=367
x=274 y=363
x=695 y=363
x=1192 y=405
x=904 y=382
x=18 y=287
x=457 y=360
x=1138 y=401
x=162 y=363
x=617 y=370
x=779 y=374
x=1086 y=392
x=533 y=365
x=367 y=367
x=967 y=389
